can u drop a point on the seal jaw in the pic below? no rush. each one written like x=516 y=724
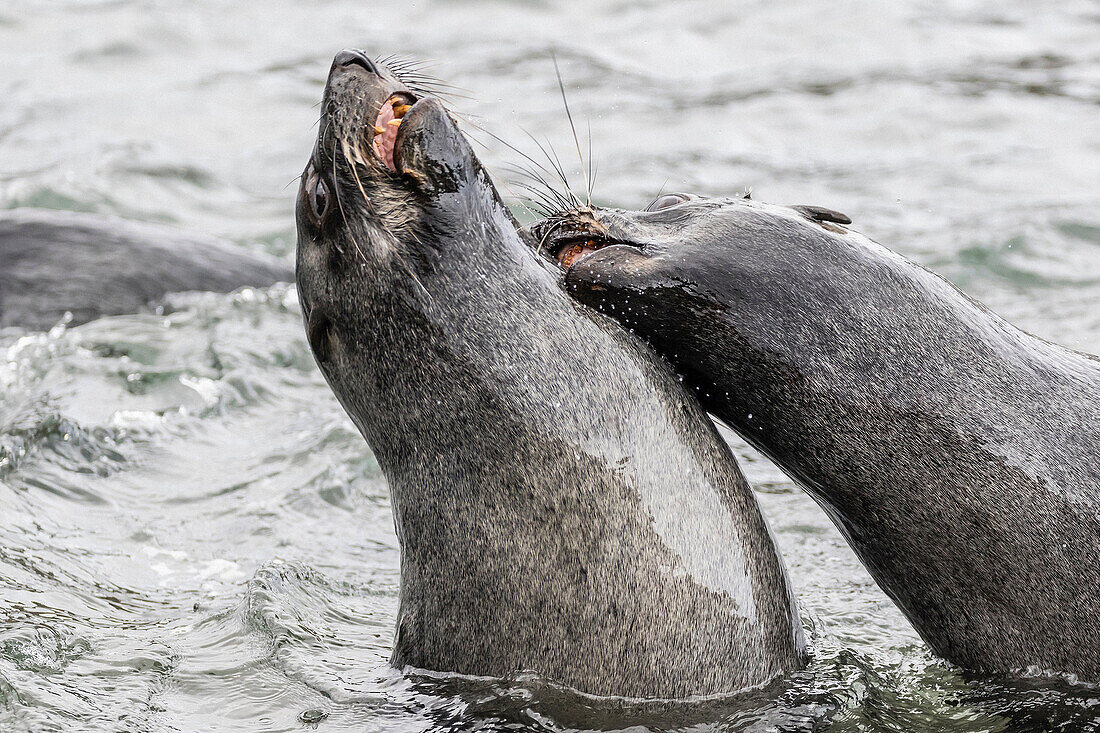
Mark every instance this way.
x=370 y=113
x=364 y=107
x=431 y=150
x=572 y=236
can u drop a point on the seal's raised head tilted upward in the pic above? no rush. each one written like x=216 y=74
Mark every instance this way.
x=562 y=505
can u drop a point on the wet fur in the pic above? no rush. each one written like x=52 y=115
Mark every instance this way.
x=562 y=506
x=53 y=262
x=959 y=455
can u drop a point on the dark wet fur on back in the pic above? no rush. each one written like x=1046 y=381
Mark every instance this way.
x=90 y=265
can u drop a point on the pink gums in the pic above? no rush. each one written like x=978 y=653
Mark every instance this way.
x=383 y=142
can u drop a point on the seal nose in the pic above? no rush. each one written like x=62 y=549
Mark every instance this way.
x=353 y=57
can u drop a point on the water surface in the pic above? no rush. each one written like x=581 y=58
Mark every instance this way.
x=195 y=537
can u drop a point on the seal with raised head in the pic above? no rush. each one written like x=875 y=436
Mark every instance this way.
x=958 y=455
x=563 y=507
x=90 y=265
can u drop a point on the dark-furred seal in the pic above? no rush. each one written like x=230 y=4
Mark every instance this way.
x=89 y=265
x=563 y=507
x=959 y=455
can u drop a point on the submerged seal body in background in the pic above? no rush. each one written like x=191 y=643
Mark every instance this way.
x=562 y=505
x=58 y=262
x=958 y=455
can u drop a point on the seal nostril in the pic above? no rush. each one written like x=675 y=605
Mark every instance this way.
x=352 y=57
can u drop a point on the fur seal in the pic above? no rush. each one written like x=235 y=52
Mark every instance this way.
x=53 y=262
x=562 y=505
x=958 y=455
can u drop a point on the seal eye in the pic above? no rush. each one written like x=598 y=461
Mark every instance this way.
x=664 y=202
x=319 y=200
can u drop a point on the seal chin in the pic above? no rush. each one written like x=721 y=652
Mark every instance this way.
x=401 y=153
x=433 y=154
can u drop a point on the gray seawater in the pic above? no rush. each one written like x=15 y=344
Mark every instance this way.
x=192 y=534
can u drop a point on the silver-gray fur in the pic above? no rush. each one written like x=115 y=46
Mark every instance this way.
x=959 y=455
x=562 y=506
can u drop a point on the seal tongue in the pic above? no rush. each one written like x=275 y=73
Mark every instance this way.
x=385 y=129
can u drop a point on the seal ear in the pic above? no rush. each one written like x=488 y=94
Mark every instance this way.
x=820 y=214
x=317 y=332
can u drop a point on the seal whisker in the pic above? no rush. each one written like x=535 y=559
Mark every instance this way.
x=519 y=199
x=573 y=128
x=343 y=213
x=553 y=200
x=366 y=199
x=591 y=166
x=540 y=199
x=549 y=198
x=549 y=231
x=555 y=163
x=410 y=72
x=503 y=182
x=409 y=269
x=514 y=149
x=661 y=190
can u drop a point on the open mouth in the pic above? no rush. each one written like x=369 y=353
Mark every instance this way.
x=570 y=242
x=571 y=252
x=571 y=236
x=386 y=125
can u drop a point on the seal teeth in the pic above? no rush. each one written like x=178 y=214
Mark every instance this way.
x=385 y=129
x=571 y=253
x=399 y=110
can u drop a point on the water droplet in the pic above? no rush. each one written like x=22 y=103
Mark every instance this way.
x=313 y=715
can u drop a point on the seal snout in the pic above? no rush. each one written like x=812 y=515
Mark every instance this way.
x=349 y=89
x=354 y=57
